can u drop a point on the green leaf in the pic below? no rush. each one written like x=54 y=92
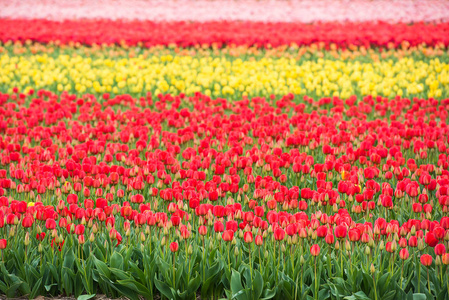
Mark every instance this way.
x=67 y=283
x=127 y=292
x=86 y=297
x=103 y=268
x=389 y=295
x=139 y=288
x=69 y=260
x=49 y=286
x=119 y=274
x=268 y=294
x=211 y=275
x=241 y=295
x=117 y=260
x=359 y=296
x=163 y=288
x=194 y=284
x=36 y=288
x=419 y=296
x=11 y=291
x=257 y=284
x=236 y=282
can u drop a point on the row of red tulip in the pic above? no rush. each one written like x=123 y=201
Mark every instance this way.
x=186 y=34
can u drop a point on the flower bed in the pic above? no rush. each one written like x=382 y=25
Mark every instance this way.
x=263 y=197
x=220 y=33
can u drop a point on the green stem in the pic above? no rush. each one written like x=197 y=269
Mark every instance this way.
x=174 y=273
x=229 y=258
x=375 y=288
x=419 y=278
x=341 y=261
x=447 y=281
x=316 y=283
x=251 y=269
x=204 y=262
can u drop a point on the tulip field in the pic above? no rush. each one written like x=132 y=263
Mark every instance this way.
x=273 y=150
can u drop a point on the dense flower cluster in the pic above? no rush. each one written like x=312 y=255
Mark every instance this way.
x=363 y=183
x=219 y=75
x=220 y=33
x=305 y=11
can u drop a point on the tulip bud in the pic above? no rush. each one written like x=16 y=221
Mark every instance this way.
x=92 y=237
x=394 y=246
x=302 y=260
x=40 y=248
x=163 y=241
x=421 y=244
x=335 y=208
x=438 y=260
x=372 y=269
x=112 y=234
x=142 y=237
x=283 y=249
x=27 y=239
x=367 y=250
x=295 y=239
x=381 y=245
x=347 y=245
x=236 y=251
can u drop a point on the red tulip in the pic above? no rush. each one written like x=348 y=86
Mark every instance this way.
x=315 y=250
x=27 y=221
x=445 y=258
x=413 y=241
x=329 y=239
x=79 y=229
x=279 y=234
x=228 y=235
x=354 y=234
x=431 y=240
x=218 y=226
x=403 y=254
x=440 y=249
x=340 y=231
x=259 y=240
x=174 y=247
x=202 y=230
x=3 y=244
x=248 y=237
x=426 y=260
x=50 y=224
